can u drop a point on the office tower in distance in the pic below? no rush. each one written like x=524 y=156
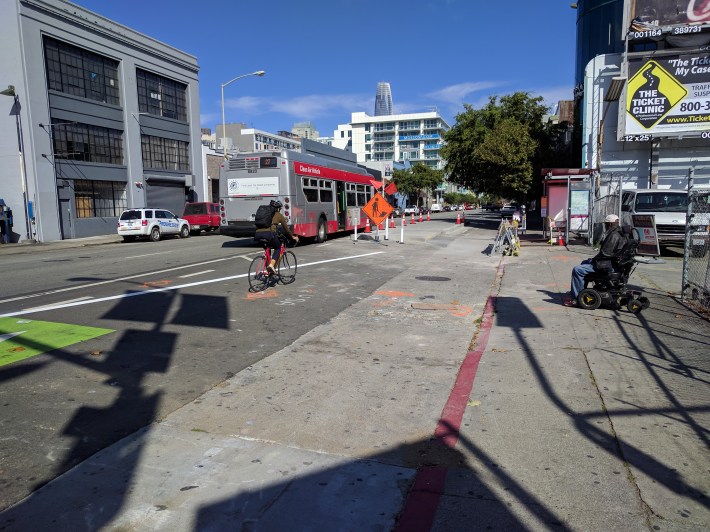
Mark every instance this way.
x=383 y=99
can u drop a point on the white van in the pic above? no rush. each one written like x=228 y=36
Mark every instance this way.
x=669 y=208
x=436 y=207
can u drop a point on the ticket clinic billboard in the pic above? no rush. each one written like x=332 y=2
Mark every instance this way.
x=670 y=12
x=669 y=95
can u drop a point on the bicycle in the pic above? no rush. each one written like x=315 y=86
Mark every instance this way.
x=260 y=278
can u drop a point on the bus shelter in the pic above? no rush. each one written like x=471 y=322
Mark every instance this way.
x=564 y=206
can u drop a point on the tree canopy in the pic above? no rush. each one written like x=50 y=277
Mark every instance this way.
x=499 y=149
x=414 y=180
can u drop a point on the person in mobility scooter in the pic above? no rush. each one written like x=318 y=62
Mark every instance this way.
x=608 y=272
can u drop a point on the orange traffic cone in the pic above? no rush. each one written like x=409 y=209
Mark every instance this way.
x=392 y=226
x=404 y=221
x=412 y=222
x=367 y=226
x=379 y=226
x=458 y=218
x=427 y=217
x=560 y=239
x=420 y=217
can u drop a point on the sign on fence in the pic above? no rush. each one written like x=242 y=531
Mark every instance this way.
x=646 y=225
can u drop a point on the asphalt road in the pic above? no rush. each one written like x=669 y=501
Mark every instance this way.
x=181 y=320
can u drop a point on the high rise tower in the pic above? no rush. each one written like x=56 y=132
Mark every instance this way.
x=383 y=99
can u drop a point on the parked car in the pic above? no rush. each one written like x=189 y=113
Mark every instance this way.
x=436 y=207
x=508 y=209
x=447 y=208
x=202 y=216
x=424 y=210
x=151 y=223
x=411 y=209
x=669 y=208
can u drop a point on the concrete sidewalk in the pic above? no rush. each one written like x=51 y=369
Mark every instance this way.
x=461 y=395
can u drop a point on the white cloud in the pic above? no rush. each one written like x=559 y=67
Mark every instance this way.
x=457 y=94
x=552 y=95
x=208 y=119
x=250 y=104
x=309 y=106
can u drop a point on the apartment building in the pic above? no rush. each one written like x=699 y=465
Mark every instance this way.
x=414 y=137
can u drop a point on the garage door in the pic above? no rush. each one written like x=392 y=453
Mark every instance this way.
x=165 y=195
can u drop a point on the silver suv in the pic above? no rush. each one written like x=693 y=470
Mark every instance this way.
x=151 y=223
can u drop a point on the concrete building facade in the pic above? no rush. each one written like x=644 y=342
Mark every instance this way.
x=305 y=130
x=240 y=139
x=104 y=118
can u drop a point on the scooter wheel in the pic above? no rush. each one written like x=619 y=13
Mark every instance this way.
x=634 y=306
x=589 y=299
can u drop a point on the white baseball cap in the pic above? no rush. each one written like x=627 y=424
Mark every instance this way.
x=611 y=219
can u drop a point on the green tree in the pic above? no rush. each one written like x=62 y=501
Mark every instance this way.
x=413 y=181
x=498 y=150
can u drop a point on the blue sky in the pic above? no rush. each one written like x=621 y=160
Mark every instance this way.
x=323 y=58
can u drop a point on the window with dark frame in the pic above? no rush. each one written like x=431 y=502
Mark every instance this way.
x=161 y=96
x=165 y=154
x=99 y=199
x=84 y=142
x=73 y=70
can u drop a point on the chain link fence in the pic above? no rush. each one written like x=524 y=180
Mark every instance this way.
x=606 y=200
x=696 y=259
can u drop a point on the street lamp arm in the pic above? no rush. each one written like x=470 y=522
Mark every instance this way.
x=257 y=73
x=224 y=125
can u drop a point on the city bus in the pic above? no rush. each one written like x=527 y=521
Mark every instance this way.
x=318 y=190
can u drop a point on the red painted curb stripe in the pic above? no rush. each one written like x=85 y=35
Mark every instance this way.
x=423 y=500
x=447 y=428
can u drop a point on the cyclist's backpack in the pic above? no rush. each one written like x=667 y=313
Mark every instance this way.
x=263 y=217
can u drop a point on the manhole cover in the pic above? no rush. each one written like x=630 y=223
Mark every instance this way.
x=431 y=278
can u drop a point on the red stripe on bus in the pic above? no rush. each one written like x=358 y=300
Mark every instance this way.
x=314 y=170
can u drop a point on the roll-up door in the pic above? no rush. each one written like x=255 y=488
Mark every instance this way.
x=162 y=193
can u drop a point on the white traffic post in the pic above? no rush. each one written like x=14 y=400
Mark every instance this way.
x=401 y=231
x=387 y=228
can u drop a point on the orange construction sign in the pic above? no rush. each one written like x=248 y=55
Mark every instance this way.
x=377 y=209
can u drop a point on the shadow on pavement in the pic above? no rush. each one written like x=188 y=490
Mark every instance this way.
x=513 y=313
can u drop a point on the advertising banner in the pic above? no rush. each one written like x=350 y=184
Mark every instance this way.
x=670 y=12
x=667 y=95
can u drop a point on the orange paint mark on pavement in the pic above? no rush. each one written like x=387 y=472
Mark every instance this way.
x=462 y=311
x=564 y=258
x=268 y=294
x=156 y=284
x=394 y=293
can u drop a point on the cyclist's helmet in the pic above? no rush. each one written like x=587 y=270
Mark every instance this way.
x=276 y=204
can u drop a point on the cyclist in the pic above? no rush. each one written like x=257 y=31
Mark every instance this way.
x=270 y=235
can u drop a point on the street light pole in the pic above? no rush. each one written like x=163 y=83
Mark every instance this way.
x=224 y=125
x=10 y=91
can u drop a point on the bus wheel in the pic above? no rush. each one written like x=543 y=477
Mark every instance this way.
x=322 y=234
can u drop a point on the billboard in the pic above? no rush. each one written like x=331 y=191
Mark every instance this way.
x=670 y=12
x=667 y=96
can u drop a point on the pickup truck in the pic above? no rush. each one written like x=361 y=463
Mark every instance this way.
x=202 y=216
x=411 y=209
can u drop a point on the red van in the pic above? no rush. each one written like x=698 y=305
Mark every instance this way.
x=202 y=216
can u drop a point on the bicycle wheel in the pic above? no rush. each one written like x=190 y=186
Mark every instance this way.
x=258 y=276
x=287 y=267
